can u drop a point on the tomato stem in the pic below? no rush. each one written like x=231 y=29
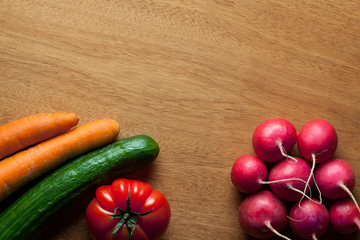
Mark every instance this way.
x=127 y=217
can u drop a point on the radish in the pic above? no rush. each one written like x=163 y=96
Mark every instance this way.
x=247 y=172
x=263 y=215
x=335 y=178
x=317 y=142
x=273 y=138
x=309 y=220
x=296 y=172
x=345 y=216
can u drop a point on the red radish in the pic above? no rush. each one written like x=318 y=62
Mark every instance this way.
x=273 y=138
x=309 y=220
x=317 y=142
x=345 y=216
x=317 y=139
x=297 y=173
x=335 y=178
x=247 y=172
x=263 y=215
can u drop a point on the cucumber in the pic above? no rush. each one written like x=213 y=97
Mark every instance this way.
x=38 y=204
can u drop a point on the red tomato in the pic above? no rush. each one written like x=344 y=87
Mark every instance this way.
x=128 y=209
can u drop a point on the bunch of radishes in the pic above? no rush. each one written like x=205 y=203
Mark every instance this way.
x=263 y=214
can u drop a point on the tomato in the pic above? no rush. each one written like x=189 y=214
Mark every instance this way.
x=127 y=209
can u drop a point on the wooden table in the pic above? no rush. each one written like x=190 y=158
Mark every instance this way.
x=197 y=76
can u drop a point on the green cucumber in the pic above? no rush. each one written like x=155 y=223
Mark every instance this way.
x=37 y=205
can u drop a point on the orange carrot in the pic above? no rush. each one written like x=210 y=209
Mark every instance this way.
x=30 y=130
x=26 y=165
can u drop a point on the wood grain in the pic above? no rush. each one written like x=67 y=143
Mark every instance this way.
x=197 y=76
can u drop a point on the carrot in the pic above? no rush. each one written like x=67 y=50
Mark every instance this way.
x=30 y=130
x=24 y=166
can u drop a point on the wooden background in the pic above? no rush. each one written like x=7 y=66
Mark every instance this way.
x=197 y=76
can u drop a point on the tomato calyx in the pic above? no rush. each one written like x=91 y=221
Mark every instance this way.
x=127 y=217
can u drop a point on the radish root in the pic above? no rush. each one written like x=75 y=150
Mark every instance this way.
x=304 y=194
x=282 y=150
x=281 y=180
x=308 y=213
x=346 y=189
x=296 y=190
x=311 y=175
x=314 y=236
x=318 y=189
x=291 y=187
x=268 y=224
